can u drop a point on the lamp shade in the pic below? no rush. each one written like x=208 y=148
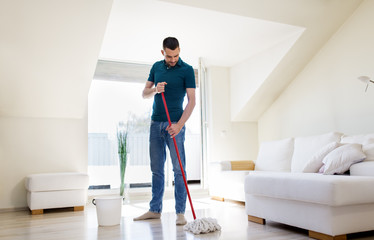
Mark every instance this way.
x=364 y=79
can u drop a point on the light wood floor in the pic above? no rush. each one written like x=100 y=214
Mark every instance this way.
x=65 y=224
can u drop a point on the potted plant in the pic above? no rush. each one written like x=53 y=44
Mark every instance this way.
x=122 y=133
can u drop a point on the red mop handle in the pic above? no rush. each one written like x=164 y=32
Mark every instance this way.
x=179 y=158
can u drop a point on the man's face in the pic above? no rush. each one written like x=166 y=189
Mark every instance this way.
x=171 y=56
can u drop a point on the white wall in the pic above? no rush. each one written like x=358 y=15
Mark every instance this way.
x=326 y=95
x=48 y=55
x=38 y=145
x=227 y=140
x=247 y=77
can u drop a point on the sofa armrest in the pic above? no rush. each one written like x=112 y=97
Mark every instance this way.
x=226 y=179
x=233 y=166
x=242 y=165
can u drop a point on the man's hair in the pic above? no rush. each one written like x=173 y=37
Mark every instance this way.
x=171 y=43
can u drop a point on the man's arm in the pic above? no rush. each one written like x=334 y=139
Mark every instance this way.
x=176 y=128
x=149 y=91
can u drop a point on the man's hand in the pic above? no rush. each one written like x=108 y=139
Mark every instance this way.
x=160 y=87
x=174 y=129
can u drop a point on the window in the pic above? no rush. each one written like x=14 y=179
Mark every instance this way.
x=115 y=100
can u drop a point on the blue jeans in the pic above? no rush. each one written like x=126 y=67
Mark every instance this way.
x=158 y=140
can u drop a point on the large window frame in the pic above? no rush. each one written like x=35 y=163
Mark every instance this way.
x=133 y=72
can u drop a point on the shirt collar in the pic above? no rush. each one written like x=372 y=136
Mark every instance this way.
x=179 y=63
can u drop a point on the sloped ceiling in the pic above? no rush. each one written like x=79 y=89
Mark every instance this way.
x=48 y=55
x=49 y=49
x=136 y=30
x=320 y=18
x=227 y=33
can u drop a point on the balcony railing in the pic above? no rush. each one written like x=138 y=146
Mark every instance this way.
x=102 y=151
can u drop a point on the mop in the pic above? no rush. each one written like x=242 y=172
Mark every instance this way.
x=198 y=226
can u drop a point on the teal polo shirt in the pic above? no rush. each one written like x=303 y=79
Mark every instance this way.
x=178 y=78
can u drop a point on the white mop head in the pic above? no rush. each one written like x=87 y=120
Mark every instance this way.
x=203 y=225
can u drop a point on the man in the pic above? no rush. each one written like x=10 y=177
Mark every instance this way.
x=175 y=78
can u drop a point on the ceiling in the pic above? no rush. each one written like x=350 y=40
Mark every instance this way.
x=49 y=49
x=227 y=33
x=136 y=29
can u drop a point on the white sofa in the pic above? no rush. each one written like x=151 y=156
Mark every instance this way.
x=285 y=186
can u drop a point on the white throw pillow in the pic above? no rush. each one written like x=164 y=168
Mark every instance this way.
x=340 y=159
x=306 y=147
x=369 y=152
x=315 y=163
x=275 y=155
x=367 y=141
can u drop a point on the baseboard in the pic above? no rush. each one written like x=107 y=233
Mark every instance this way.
x=17 y=209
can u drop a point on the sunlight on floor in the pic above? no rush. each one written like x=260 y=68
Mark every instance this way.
x=152 y=229
x=61 y=224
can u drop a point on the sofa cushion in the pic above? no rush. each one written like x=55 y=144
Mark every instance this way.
x=56 y=181
x=306 y=147
x=365 y=168
x=332 y=190
x=315 y=163
x=360 y=139
x=275 y=155
x=367 y=141
x=340 y=159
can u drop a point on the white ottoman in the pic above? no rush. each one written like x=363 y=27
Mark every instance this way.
x=56 y=190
